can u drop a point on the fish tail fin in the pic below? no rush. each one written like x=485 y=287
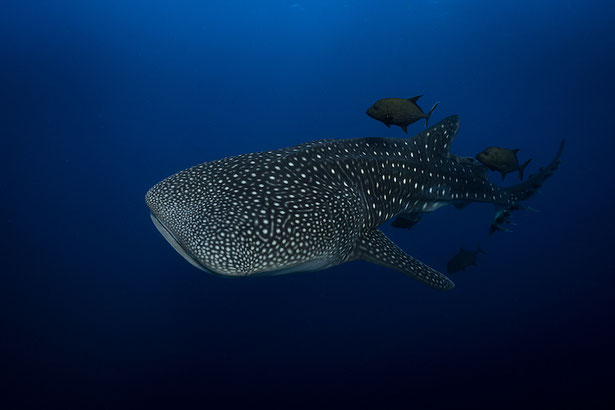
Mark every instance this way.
x=429 y=113
x=522 y=192
x=522 y=168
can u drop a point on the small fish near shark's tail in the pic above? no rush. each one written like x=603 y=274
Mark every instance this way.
x=524 y=191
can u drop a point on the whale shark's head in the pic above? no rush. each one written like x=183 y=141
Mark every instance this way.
x=176 y=219
x=189 y=210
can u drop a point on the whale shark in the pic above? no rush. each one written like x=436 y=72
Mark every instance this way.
x=319 y=204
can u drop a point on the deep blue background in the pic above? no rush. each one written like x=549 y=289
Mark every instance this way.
x=100 y=100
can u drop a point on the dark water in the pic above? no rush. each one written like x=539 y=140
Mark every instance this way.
x=100 y=100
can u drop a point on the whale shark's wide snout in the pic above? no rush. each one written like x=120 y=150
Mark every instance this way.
x=195 y=221
x=175 y=243
x=173 y=219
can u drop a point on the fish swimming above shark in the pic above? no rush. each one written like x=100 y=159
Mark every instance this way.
x=319 y=204
x=502 y=160
x=399 y=111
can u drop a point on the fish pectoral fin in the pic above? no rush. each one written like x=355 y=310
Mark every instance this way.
x=373 y=246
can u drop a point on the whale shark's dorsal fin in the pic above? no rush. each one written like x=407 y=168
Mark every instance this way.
x=373 y=246
x=436 y=140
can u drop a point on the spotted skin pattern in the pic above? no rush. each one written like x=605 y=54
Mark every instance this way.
x=317 y=204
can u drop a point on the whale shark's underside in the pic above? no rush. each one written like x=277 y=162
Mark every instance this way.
x=319 y=204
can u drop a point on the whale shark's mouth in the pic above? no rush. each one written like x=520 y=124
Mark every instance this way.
x=170 y=237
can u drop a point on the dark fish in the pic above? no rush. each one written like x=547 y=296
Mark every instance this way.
x=463 y=259
x=319 y=204
x=502 y=160
x=399 y=111
x=407 y=220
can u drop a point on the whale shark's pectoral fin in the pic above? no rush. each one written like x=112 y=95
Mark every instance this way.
x=373 y=246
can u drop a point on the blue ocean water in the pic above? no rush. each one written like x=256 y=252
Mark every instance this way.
x=101 y=100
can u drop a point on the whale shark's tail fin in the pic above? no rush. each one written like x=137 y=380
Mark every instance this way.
x=524 y=191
